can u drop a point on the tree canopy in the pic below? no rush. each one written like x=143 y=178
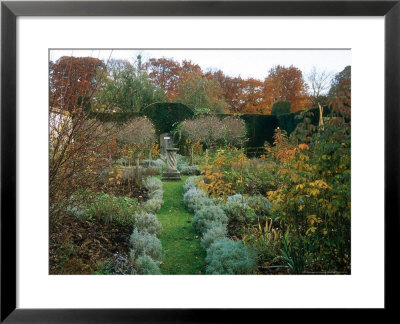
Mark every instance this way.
x=74 y=81
x=127 y=89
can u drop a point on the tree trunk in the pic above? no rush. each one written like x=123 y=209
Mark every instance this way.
x=137 y=171
x=321 y=120
x=150 y=157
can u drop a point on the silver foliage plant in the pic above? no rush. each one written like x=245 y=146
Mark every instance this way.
x=226 y=256
x=190 y=183
x=148 y=222
x=213 y=234
x=190 y=197
x=145 y=243
x=147 y=266
x=152 y=184
x=155 y=201
x=208 y=214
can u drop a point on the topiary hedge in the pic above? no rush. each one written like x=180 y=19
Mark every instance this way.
x=166 y=116
x=260 y=128
x=117 y=117
x=281 y=108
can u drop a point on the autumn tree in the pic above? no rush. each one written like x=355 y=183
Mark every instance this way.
x=286 y=84
x=232 y=88
x=197 y=91
x=234 y=131
x=137 y=135
x=251 y=97
x=340 y=78
x=74 y=81
x=79 y=145
x=210 y=130
x=165 y=73
x=127 y=88
x=188 y=68
x=207 y=129
x=340 y=93
x=193 y=131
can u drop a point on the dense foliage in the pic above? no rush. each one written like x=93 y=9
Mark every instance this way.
x=292 y=205
x=127 y=88
x=281 y=108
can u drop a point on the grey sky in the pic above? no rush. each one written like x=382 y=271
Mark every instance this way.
x=246 y=63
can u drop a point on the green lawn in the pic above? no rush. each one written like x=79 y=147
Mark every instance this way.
x=181 y=244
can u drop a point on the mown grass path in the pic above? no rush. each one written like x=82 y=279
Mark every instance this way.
x=181 y=244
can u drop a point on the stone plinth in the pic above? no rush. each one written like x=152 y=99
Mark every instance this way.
x=166 y=142
x=172 y=173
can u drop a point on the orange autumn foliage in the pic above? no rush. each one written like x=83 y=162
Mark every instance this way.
x=286 y=84
x=74 y=81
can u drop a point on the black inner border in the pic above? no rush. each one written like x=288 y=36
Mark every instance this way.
x=11 y=10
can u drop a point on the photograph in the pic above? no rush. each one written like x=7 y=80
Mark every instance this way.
x=199 y=161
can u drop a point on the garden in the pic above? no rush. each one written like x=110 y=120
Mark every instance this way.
x=158 y=167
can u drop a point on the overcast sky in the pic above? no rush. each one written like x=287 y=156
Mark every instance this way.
x=246 y=63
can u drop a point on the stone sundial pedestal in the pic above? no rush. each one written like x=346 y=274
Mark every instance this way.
x=172 y=173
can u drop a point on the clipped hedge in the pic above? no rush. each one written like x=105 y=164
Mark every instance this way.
x=118 y=117
x=260 y=128
x=166 y=116
x=280 y=108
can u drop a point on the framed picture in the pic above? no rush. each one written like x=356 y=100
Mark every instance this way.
x=39 y=282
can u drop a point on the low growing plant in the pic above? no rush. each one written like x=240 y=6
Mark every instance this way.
x=152 y=205
x=259 y=204
x=238 y=210
x=147 y=266
x=156 y=194
x=109 y=209
x=190 y=197
x=152 y=184
x=206 y=215
x=147 y=222
x=145 y=243
x=190 y=183
x=203 y=202
x=225 y=256
x=213 y=234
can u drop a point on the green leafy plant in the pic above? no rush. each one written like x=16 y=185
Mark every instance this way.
x=294 y=254
x=109 y=209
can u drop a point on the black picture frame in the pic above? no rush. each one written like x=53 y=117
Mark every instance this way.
x=11 y=10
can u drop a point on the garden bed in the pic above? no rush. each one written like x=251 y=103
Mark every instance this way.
x=80 y=246
x=125 y=189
